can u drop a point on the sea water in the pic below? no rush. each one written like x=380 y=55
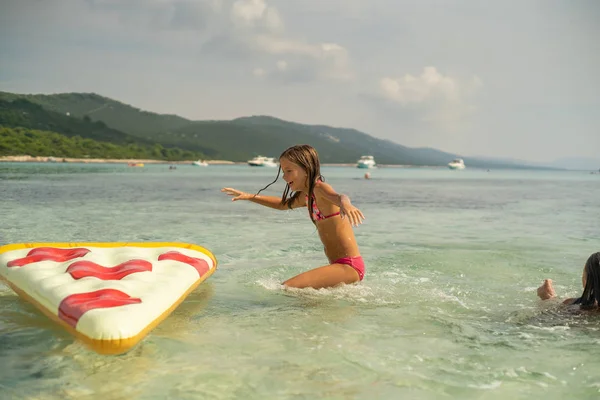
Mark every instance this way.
x=447 y=309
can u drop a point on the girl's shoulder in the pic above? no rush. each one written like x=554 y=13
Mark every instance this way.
x=318 y=189
x=321 y=186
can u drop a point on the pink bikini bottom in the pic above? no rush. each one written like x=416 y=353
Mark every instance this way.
x=355 y=262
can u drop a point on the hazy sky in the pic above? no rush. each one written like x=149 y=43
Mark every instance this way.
x=494 y=78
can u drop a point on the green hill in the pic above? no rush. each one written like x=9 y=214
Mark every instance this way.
x=23 y=113
x=113 y=113
x=242 y=138
x=28 y=128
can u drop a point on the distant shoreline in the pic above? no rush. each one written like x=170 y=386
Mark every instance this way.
x=60 y=160
x=134 y=161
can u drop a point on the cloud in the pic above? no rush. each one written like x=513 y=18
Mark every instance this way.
x=258 y=72
x=194 y=15
x=256 y=14
x=282 y=65
x=287 y=72
x=245 y=29
x=260 y=28
x=430 y=85
x=325 y=61
x=437 y=98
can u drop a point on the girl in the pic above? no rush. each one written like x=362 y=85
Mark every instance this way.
x=332 y=213
x=590 y=297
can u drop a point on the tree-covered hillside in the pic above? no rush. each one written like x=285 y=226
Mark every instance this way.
x=23 y=141
x=28 y=128
x=113 y=113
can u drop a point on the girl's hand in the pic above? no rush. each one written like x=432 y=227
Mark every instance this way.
x=355 y=216
x=238 y=195
x=546 y=291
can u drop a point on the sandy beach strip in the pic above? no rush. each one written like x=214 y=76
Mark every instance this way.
x=26 y=158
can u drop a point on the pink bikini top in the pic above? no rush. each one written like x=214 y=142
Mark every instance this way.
x=316 y=213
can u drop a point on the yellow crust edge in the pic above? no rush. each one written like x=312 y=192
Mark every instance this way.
x=109 y=347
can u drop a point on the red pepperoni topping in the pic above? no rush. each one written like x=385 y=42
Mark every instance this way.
x=48 y=254
x=84 y=269
x=199 y=264
x=74 y=306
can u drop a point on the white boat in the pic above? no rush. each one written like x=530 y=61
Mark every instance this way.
x=200 y=163
x=457 y=163
x=262 y=161
x=366 y=162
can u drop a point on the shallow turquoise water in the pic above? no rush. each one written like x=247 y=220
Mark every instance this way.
x=447 y=308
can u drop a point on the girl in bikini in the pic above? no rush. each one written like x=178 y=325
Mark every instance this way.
x=332 y=213
x=590 y=298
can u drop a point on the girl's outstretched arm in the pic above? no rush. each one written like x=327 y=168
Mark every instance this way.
x=267 y=201
x=355 y=216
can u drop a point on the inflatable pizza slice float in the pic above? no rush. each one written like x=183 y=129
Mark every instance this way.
x=109 y=295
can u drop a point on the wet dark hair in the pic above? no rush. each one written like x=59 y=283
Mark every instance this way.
x=307 y=158
x=591 y=293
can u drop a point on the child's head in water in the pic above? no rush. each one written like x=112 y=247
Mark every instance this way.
x=591 y=283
